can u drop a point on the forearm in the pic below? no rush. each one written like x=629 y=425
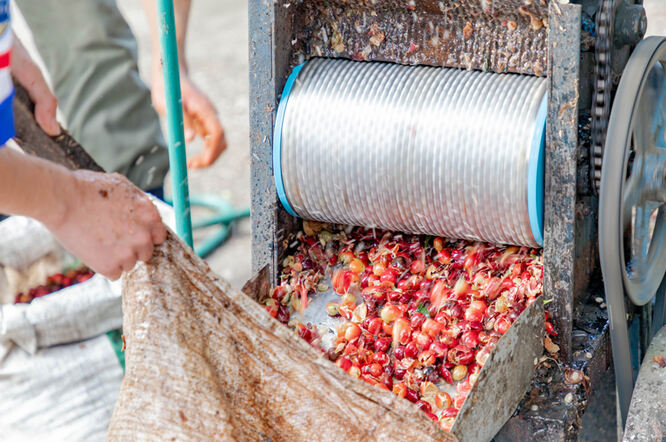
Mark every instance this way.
x=101 y=218
x=181 y=16
x=29 y=186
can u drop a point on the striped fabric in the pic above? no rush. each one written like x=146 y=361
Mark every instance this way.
x=6 y=86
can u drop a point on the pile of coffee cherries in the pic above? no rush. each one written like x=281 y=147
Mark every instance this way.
x=419 y=314
x=54 y=283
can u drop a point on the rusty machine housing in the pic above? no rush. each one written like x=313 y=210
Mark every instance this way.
x=553 y=39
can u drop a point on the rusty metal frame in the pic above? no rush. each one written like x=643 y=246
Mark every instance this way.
x=560 y=239
x=552 y=409
x=566 y=254
x=269 y=48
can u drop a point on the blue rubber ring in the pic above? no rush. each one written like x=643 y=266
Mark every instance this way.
x=277 y=140
x=535 y=173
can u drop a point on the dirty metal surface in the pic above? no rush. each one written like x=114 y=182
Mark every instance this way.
x=262 y=99
x=500 y=36
x=504 y=378
x=269 y=29
x=647 y=412
x=553 y=408
x=561 y=168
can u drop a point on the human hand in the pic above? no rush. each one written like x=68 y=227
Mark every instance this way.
x=30 y=77
x=107 y=222
x=199 y=118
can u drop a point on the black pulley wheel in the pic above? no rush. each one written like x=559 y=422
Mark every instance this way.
x=632 y=196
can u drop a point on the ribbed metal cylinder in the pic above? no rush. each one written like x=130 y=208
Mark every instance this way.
x=411 y=148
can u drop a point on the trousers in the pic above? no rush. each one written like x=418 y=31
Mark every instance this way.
x=90 y=54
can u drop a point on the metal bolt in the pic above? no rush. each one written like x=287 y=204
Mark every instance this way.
x=630 y=24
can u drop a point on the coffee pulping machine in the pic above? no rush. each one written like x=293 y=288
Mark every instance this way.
x=526 y=122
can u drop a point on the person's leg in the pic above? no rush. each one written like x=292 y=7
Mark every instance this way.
x=90 y=54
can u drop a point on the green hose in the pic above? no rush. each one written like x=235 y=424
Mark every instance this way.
x=223 y=216
x=174 y=116
x=224 y=213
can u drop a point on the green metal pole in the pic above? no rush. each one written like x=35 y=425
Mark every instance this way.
x=174 y=115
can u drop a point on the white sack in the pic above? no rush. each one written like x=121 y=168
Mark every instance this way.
x=61 y=393
x=59 y=375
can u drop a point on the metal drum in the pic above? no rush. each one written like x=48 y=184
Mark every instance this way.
x=415 y=149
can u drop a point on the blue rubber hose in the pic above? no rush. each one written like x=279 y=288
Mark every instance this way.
x=174 y=116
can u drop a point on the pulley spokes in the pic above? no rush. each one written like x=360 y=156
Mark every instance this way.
x=632 y=196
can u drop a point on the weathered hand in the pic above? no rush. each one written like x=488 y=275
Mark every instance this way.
x=30 y=77
x=199 y=117
x=108 y=223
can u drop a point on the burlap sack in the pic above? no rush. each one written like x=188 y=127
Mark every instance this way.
x=205 y=362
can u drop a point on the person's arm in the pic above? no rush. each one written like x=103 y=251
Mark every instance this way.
x=199 y=114
x=101 y=218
